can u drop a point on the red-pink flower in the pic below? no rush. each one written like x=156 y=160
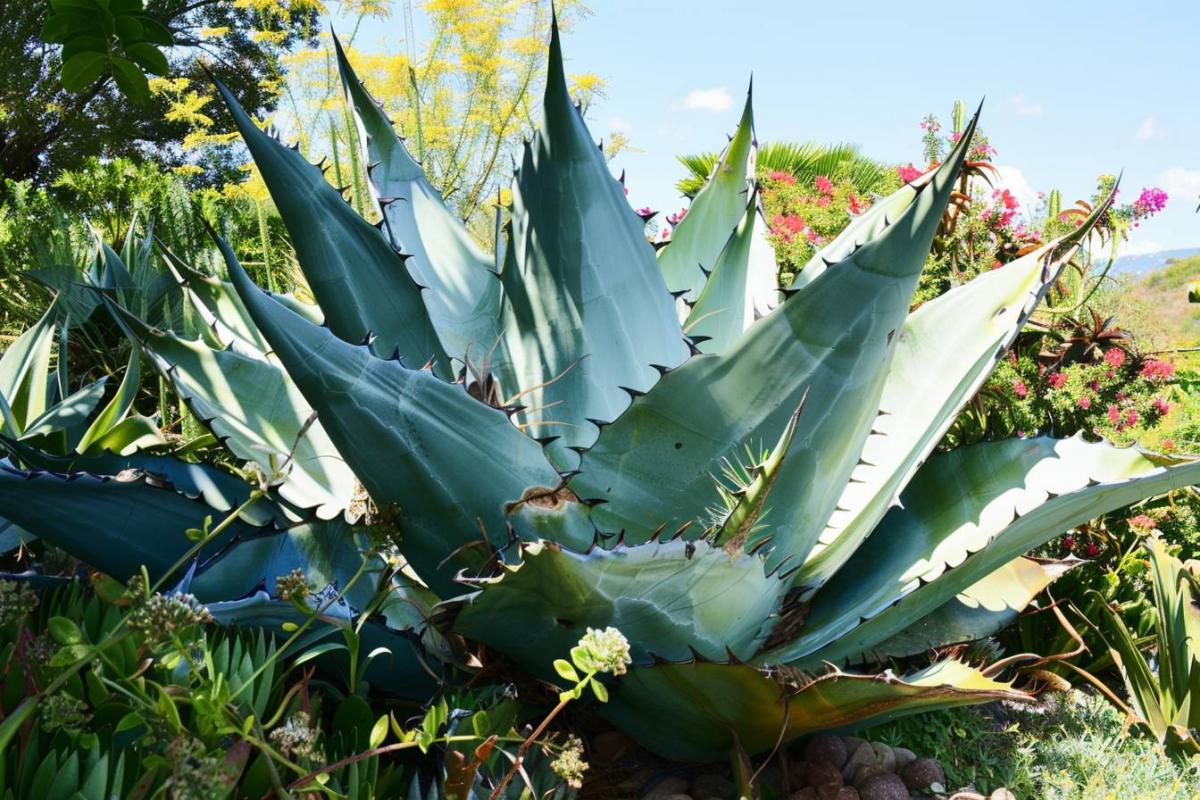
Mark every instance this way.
x=1084 y=402
x=1157 y=370
x=1114 y=357
x=1092 y=550
x=1131 y=416
x=823 y=184
x=1167 y=445
x=1161 y=406
x=1069 y=543
x=781 y=176
x=1142 y=522
x=856 y=207
x=644 y=212
x=677 y=217
x=1019 y=388
x=908 y=173
x=1057 y=380
x=1114 y=414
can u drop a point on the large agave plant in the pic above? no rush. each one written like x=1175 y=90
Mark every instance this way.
x=573 y=433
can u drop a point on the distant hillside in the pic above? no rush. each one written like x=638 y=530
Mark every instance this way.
x=1154 y=306
x=1146 y=262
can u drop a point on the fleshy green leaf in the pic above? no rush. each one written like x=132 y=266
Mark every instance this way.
x=965 y=514
x=253 y=407
x=931 y=377
x=670 y=599
x=114 y=524
x=713 y=214
x=586 y=313
x=464 y=296
x=454 y=466
x=833 y=341
x=25 y=372
x=693 y=712
x=741 y=287
x=360 y=282
x=979 y=611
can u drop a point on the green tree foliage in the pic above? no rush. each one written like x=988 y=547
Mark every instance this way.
x=241 y=43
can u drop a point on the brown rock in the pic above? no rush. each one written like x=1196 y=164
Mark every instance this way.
x=923 y=773
x=904 y=757
x=713 y=787
x=883 y=786
x=829 y=792
x=798 y=773
x=864 y=754
x=847 y=793
x=608 y=746
x=821 y=774
x=884 y=756
x=634 y=781
x=807 y=793
x=853 y=743
x=667 y=788
x=826 y=749
x=864 y=771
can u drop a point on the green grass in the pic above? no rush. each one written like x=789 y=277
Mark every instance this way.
x=1077 y=749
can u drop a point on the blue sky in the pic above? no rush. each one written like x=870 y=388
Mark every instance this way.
x=1072 y=89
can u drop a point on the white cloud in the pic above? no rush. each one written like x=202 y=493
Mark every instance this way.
x=1181 y=184
x=715 y=99
x=1025 y=108
x=1014 y=180
x=1147 y=130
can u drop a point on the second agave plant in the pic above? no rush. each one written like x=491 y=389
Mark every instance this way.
x=575 y=432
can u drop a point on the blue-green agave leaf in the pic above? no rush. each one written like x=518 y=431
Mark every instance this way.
x=585 y=313
x=741 y=287
x=360 y=282
x=464 y=296
x=217 y=488
x=671 y=600
x=257 y=412
x=979 y=611
x=713 y=214
x=453 y=467
x=834 y=341
x=931 y=378
x=25 y=373
x=113 y=523
x=964 y=515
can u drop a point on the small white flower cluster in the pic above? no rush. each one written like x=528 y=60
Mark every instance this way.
x=296 y=738
x=162 y=615
x=570 y=765
x=604 y=651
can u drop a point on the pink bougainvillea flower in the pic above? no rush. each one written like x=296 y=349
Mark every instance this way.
x=1142 y=522
x=1114 y=414
x=780 y=176
x=645 y=212
x=1092 y=550
x=1084 y=402
x=1069 y=543
x=1131 y=416
x=1149 y=203
x=1167 y=445
x=677 y=217
x=1157 y=370
x=823 y=184
x=1020 y=389
x=1057 y=380
x=1161 y=406
x=908 y=173
x=1114 y=357
x=856 y=205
